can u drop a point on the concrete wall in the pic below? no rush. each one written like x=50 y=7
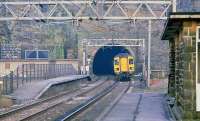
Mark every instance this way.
x=10 y=65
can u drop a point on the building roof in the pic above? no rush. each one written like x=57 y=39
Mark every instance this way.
x=174 y=23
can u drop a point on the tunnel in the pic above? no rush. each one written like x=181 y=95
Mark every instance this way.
x=103 y=59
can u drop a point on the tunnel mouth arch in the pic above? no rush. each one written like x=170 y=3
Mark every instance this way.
x=103 y=59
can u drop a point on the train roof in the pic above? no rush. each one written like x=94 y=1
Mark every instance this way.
x=122 y=54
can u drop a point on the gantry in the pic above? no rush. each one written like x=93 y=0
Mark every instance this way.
x=47 y=10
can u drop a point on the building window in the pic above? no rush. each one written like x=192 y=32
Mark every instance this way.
x=36 y=54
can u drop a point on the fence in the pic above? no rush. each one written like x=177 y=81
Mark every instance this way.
x=27 y=73
x=159 y=74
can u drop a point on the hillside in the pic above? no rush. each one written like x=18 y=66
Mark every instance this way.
x=53 y=35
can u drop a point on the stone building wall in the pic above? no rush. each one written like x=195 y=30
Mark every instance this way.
x=182 y=84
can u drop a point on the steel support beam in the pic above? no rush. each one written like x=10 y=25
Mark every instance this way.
x=86 y=1
x=114 y=42
x=78 y=10
x=149 y=53
x=114 y=45
x=174 y=5
x=84 y=62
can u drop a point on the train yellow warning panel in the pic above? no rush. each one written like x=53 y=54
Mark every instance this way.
x=124 y=66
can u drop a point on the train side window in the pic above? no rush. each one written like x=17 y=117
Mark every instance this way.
x=130 y=61
x=116 y=62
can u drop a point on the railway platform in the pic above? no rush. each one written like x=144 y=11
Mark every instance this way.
x=135 y=106
x=35 y=89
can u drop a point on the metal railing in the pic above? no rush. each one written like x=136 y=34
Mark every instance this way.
x=27 y=73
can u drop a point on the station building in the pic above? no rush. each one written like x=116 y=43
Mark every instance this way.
x=182 y=29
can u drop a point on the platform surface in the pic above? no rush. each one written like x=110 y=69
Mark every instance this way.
x=125 y=108
x=152 y=108
x=35 y=89
x=139 y=107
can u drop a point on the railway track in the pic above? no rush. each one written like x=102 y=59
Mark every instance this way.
x=75 y=112
x=28 y=111
x=113 y=103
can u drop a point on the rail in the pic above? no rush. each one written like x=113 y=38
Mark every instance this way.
x=81 y=107
x=52 y=101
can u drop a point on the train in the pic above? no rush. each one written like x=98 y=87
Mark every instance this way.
x=124 y=66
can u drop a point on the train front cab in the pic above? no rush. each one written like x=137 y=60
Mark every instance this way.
x=124 y=67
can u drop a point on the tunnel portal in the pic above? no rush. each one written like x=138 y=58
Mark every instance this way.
x=103 y=59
